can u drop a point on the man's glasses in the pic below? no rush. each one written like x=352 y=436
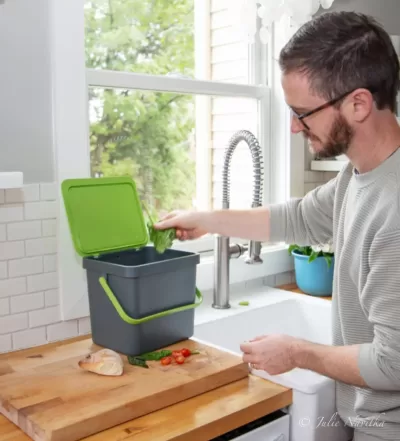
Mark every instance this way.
x=319 y=108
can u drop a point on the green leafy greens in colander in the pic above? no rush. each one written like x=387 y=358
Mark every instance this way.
x=161 y=239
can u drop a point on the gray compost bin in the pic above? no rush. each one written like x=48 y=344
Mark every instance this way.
x=139 y=300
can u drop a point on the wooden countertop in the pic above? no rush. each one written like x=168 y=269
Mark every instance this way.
x=202 y=418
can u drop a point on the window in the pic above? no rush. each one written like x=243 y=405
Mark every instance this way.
x=167 y=84
x=166 y=37
x=149 y=136
x=158 y=139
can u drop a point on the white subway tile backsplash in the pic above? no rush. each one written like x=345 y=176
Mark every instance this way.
x=28 y=302
x=50 y=263
x=51 y=298
x=12 y=250
x=25 y=267
x=84 y=326
x=29 y=338
x=12 y=287
x=13 y=323
x=29 y=298
x=29 y=193
x=14 y=195
x=48 y=192
x=4 y=307
x=40 y=210
x=62 y=331
x=49 y=228
x=42 y=282
x=39 y=247
x=5 y=343
x=11 y=213
x=3 y=270
x=24 y=230
x=3 y=235
x=44 y=317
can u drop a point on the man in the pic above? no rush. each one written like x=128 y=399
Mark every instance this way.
x=340 y=76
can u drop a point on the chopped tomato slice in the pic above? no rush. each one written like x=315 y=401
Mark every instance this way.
x=186 y=352
x=176 y=354
x=166 y=361
x=180 y=359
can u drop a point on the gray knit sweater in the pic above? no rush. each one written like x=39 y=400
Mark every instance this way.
x=361 y=213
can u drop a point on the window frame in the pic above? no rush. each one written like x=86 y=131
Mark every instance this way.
x=72 y=152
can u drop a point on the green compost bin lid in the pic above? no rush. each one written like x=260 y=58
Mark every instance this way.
x=104 y=215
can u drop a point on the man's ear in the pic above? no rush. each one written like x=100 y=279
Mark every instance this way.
x=362 y=104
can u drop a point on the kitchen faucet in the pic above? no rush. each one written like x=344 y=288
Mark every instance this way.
x=224 y=251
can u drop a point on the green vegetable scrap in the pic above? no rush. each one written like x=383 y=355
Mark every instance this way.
x=138 y=361
x=161 y=239
x=157 y=355
x=244 y=303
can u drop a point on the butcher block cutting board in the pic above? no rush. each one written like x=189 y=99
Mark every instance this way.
x=50 y=398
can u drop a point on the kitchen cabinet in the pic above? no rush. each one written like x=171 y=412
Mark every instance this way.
x=277 y=430
x=272 y=427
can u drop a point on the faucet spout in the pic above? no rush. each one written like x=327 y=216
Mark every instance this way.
x=223 y=250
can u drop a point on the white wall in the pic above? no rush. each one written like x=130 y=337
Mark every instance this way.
x=25 y=90
x=385 y=11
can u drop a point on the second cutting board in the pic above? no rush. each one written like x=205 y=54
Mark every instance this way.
x=51 y=399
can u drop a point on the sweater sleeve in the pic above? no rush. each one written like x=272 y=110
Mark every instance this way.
x=305 y=221
x=379 y=361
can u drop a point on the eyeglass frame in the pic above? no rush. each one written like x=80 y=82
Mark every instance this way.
x=322 y=107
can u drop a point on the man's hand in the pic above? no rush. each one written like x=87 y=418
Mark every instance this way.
x=271 y=353
x=189 y=225
x=278 y=354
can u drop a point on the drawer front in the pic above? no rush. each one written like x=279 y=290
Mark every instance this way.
x=277 y=430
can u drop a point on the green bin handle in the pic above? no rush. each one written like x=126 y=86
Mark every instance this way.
x=131 y=321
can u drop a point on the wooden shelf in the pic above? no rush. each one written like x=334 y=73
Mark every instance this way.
x=331 y=165
x=292 y=287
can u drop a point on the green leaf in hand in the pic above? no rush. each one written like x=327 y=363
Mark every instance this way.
x=161 y=239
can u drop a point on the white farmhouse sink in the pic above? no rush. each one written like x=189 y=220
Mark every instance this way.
x=305 y=318
x=276 y=311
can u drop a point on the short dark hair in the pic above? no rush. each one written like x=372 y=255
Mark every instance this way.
x=342 y=51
